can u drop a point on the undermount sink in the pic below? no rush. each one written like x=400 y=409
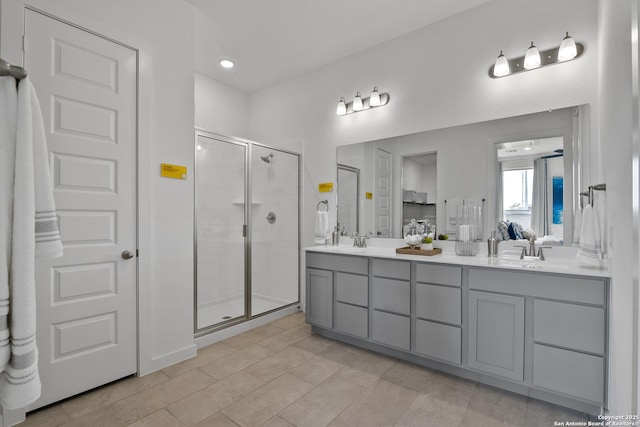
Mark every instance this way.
x=532 y=262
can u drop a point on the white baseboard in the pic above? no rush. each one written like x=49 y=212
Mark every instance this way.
x=172 y=358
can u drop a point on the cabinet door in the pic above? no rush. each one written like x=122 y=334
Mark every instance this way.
x=496 y=334
x=320 y=297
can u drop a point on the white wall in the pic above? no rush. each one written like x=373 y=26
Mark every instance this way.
x=411 y=175
x=615 y=120
x=220 y=108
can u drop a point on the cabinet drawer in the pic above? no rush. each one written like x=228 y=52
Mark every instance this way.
x=440 y=303
x=392 y=295
x=393 y=269
x=439 y=274
x=569 y=325
x=352 y=320
x=352 y=289
x=439 y=341
x=552 y=286
x=391 y=329
x=569 y=372
x=346 y=263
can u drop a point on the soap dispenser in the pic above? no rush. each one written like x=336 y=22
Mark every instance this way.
x=492 y=245
x=335 y=236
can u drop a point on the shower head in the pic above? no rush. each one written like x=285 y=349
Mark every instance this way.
x=267 y=158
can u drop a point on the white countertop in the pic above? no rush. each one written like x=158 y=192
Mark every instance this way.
x=563 y=261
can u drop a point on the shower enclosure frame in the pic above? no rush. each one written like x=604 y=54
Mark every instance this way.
x=247 y=228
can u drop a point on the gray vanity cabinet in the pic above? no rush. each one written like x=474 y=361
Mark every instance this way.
x=564 y=331
x=319 y=297
x=438 y=310
x=496 y=334
x=569 y=348
x=352 y=300
x=540 y=334
x=391 y=300
x=338 y=293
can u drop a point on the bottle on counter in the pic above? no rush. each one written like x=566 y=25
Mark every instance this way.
x=335 y=236
x=492 y=245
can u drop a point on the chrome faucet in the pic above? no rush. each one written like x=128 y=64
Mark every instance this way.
x=532 y=250
x=532 y=246
x=360 y=241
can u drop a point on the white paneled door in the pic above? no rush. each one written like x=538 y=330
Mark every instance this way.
x=86 y=300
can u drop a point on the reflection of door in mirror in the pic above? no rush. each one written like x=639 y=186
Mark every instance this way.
x=419 y=174
x=348 y=199
x=382 y=195
x=532 y=174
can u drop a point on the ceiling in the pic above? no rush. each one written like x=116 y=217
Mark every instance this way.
x=529 y=149
x=275 y=40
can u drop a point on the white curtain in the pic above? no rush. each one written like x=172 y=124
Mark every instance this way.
x=540 y=205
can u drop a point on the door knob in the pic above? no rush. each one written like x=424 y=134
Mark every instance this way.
x=271 y=217
x=127 y=254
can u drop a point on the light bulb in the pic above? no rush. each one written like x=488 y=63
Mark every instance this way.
x=342 y=107
x=532 y=57
x=568 y=49
x=226 y=63
x=374 y=99
x=357 y=102
x=501 y=67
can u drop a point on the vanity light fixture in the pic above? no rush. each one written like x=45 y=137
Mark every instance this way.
x=534 y=58
x=568 y=49
x=376 y=99
x=342 y=107
x=501 y=67
x=226 y=63
x=357 y=102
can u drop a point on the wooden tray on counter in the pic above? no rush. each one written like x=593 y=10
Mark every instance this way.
x=407 y=250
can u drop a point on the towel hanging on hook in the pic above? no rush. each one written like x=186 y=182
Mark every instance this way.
x=7 y=69
x=323 y=202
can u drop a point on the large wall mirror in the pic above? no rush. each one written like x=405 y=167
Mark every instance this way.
x=531 y=186
x=466 y=166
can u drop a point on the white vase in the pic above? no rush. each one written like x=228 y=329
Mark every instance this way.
x=426 y=246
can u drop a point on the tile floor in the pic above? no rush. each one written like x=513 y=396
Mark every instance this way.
x=280 y=375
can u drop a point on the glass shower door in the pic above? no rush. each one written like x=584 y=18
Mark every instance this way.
x=274 y=229
x=220 y=231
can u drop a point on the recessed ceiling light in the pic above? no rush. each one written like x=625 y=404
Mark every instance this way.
x=226 y=63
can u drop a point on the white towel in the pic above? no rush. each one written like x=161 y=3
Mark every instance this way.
x=577 y=227
x=590 y=245
x=8 y=114
x=321 y=233
x=35 y=233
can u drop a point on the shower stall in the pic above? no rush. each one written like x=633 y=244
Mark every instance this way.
x=246 y=231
